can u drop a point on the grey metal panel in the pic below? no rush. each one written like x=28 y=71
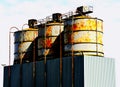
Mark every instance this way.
x=27 y=75
x=6 y=78
x=40 y=74
x=99 y=71
x=67 y=72
x=15 y=76
x=79 y=71
x=53 y=73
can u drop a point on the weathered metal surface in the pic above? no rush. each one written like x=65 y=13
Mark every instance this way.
x=23 y=44
x=48 y=42
x=23 y=47
x=47 y=52
x=24 y=55
x=83 y=24
x=83 y=35
x=83 y=47
x=49 y=38
x=26 y=35
x=52 y=29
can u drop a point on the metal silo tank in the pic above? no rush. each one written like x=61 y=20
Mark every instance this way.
x=48 y=37
x=23 y=43
x=83 y=36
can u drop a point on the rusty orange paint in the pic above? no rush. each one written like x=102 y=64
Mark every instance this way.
x=49 y=31
x=75 y=27
x=49 y=42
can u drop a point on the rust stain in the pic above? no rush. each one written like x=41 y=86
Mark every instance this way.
x=75 y=26
x=49 y=31
x=49 y=42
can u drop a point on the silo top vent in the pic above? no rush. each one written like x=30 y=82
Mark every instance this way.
x=83 y=10
x=32 y=23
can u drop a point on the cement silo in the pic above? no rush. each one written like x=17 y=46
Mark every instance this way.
x=23 y=42
x=49 y=37
x=83 y=34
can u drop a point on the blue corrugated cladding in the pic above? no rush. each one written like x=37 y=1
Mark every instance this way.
x=53 y=73
x=40 y=74
x=88 y=72
x=27 y=75
x=6 y=78
x=79 y=71
x=15 y=76
x=67 y=72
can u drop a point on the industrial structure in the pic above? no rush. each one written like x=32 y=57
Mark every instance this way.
x=62 y=50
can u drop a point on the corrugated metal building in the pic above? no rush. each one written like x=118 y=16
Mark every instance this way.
x=88 y=71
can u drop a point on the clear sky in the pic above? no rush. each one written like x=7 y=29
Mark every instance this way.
x=17 y=12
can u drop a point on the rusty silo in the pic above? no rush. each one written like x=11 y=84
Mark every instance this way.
x=83 y=34
x=49 y=37
x=23 y=42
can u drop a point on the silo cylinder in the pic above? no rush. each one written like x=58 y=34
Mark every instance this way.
x=23 y=43
x=48 y=38
x=83 y=36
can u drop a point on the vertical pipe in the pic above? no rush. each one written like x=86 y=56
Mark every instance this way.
x=9 y=59
x=22 y=42
x=96 y=39
x=45 y=73
x=19 y=45
x=9 y=71
x=34 y=64
x=60 y=56
x=21 y=75
x=21 y=83
x=72 y=53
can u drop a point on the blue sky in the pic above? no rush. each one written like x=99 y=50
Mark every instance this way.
x=17 y=12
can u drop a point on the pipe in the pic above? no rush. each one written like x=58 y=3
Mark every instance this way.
x=10 y=52
x=10 y=42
